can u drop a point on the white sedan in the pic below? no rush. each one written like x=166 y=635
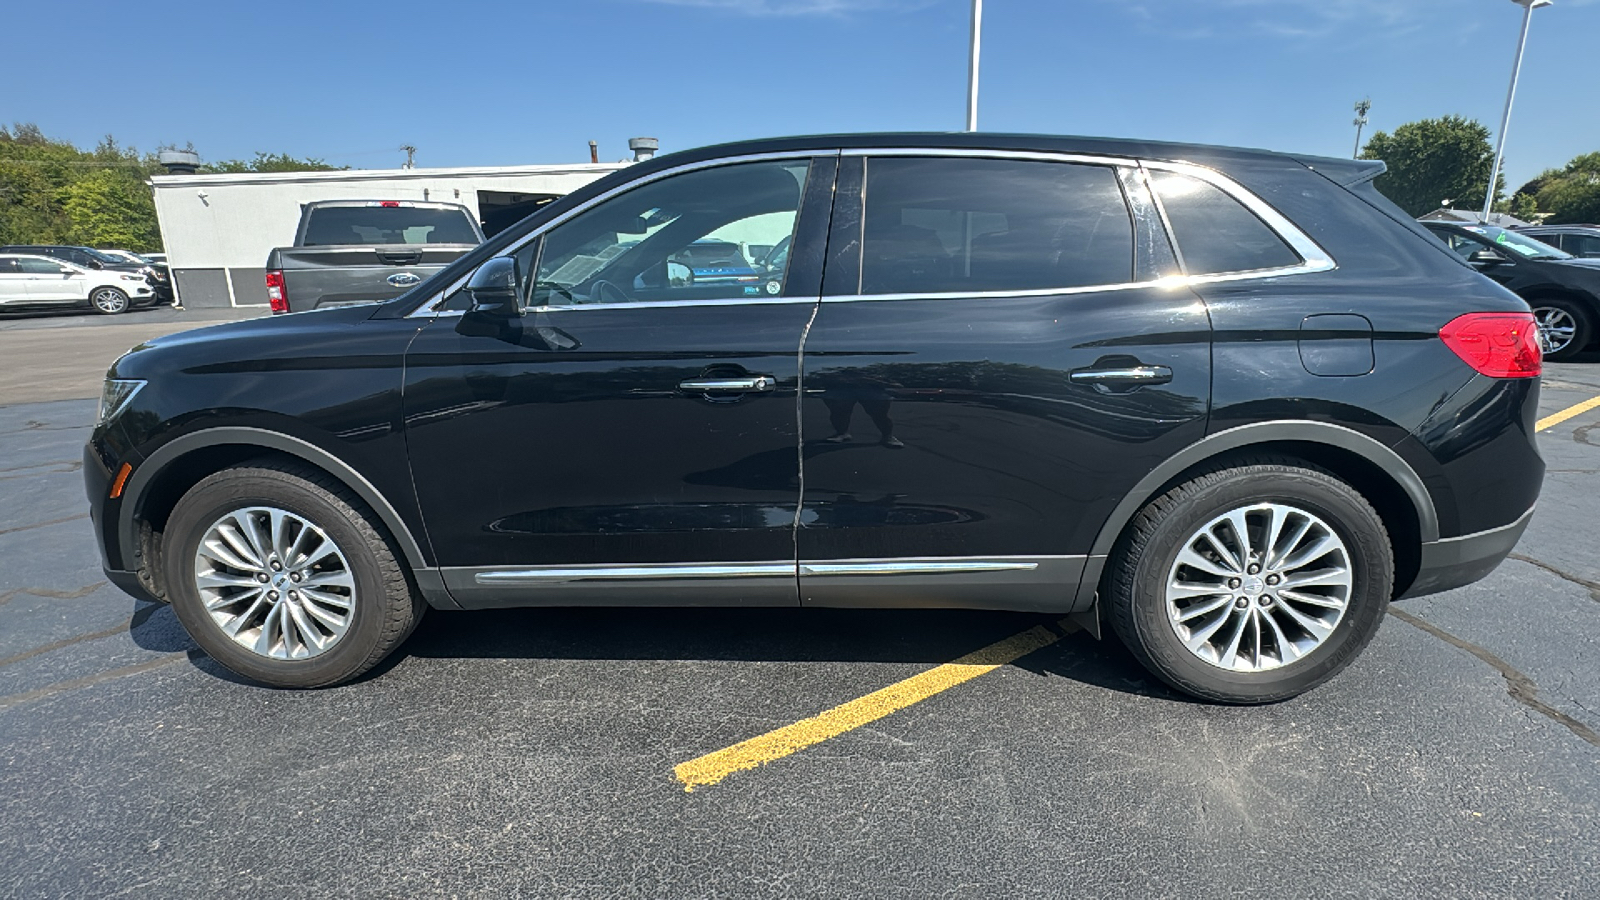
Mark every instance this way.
x=39 y=281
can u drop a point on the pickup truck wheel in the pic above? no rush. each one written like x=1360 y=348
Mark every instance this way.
x=279 y=574
x=1252 y=584
x=109 y=301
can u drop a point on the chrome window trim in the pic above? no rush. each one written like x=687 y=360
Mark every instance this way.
x=1313 y=257
x=428 y=308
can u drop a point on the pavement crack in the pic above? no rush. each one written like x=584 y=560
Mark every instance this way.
x=62 y=687
x=45 y=523
x=1521 y=688
x=52 y=593
x=1593 y=587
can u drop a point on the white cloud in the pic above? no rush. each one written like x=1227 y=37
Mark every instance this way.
x=800 y=7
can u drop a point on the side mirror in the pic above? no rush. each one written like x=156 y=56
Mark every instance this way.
x=679 y=275
x=68 y=270
x=1485 y=258
x=495 y=290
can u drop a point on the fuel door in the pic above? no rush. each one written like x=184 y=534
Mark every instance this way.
x=1336 y=344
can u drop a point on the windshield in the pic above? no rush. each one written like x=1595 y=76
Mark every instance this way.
x=115 y=259
x=1520 y=244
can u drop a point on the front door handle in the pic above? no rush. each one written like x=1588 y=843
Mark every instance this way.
x=751 y=385
x=1123 y=375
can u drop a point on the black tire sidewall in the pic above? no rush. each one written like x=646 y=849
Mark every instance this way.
x=233 y=490
x=1340 y=507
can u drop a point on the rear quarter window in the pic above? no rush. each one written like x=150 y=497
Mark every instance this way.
x=1215 y=233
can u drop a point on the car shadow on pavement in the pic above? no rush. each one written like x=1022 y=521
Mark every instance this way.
x=923 y=637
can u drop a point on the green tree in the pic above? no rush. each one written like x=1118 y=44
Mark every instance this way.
x=110 y=208
x=1571 y=194
x=1432 y=161
x=271 y=162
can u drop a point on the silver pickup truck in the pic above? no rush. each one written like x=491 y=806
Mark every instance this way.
x=361 y=251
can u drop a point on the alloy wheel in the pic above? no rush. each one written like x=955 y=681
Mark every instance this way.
x=1259 y=587
x=1557 y=328
x=275 y=583
x=109 y=300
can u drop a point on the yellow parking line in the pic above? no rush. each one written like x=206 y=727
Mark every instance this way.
x=776 y=744
x=1574 y=410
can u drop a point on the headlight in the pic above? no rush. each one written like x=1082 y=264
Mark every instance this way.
x=115 y=395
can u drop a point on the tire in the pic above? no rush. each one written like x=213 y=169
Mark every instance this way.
x=1565 y=324
x=364 y=606
x=1291 y=657
x=108 y=301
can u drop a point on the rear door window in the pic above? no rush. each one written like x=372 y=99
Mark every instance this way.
x=1215 y=233
x=944 y=225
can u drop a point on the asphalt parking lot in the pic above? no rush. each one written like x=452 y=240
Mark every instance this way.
x=548 y=752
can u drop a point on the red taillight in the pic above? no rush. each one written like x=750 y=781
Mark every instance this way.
x=1500 y=345
x=275 y=292
x=391 y=203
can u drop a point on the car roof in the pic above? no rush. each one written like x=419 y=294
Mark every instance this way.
x=1343 y=171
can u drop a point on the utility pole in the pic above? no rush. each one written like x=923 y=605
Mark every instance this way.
x=1362 y=106
x=1528 y=6
x=411 y=156
x=972 y=65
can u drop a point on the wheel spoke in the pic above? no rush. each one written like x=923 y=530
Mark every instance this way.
x=1190 y=558
x=333 y=600
x=1293 y=542
x=335 y=578
x=1231 y=655
x=1201 y=609
x=1314 y=552
x=1313 y=600
x=1229 y=558
x=1286 y=647
x=1335 y=577
x=219 y=550
x=308 y=635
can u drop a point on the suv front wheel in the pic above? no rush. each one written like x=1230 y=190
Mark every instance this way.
x=279 y=573
x=1251 y=584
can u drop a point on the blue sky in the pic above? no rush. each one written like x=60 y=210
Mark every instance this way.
x=472 y=82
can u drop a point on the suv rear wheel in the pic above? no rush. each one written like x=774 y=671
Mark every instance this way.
x=280 y=575
x=1252 y=584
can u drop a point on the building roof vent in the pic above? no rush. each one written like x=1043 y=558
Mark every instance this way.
x=179 y=162
x=643 y=147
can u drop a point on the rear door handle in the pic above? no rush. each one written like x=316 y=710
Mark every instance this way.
x=1123 y=375
x=753 y=384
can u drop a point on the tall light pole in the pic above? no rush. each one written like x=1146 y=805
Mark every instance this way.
x=972 y=64
x=1528 y=6
x=1362 y=106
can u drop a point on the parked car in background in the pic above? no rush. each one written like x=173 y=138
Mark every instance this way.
x=155 y=257
x=1563 y=290
x=1582 y=241
x=1100 y=378
x=160 y=276
x=717 y=262
x=30 y=281
x=366 y=251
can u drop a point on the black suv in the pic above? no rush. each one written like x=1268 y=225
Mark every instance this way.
x=1582 y=241
x=1563 y=290
x=1230 y=402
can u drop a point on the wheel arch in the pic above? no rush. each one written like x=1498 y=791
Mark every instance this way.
x=1387 y=481
x=169 y=472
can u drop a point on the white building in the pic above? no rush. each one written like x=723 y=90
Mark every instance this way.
x=218 y=229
